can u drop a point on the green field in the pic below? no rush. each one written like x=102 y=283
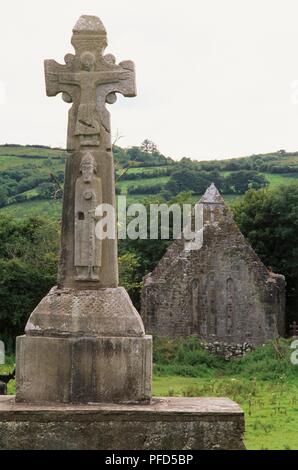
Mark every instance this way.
x=34 y=151
x=264 y=383
x=43 y=162
x=51 y=209
x=276 y=180
x=125 y=184
x=271 y=409
x=142 y=170
x=9 y=162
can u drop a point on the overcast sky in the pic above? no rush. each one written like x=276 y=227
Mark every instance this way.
x=216 y=78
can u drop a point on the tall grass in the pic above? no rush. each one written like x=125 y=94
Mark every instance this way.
x=186 y=357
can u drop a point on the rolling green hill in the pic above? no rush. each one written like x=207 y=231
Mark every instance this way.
x=31 y=177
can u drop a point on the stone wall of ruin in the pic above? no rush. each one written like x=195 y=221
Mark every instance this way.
x=221 y=292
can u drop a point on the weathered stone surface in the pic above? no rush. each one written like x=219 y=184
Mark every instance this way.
x=88 y=193
x=83 y=369
x=166 y=424
x=101 y=312
x=220 y=292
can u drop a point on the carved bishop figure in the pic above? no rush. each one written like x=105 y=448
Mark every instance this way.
x=88 y=197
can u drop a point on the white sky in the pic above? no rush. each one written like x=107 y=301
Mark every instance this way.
x=216 y=78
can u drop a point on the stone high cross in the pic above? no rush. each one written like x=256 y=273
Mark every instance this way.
x=85 y=342
x=89 y=79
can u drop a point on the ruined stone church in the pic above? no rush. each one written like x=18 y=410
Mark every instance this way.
x=219 y=292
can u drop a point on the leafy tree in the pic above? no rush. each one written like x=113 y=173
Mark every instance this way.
x=27 y=270
x=240 y=181
x=149 y=146
x=197 y=181
x=129 y=265
x=46 y=190
x=3 y=196
x=154 y=158
x=143 y=189
x=269 y=219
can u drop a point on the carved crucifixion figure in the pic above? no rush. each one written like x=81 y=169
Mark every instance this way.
x=89 y=119
x=88 y=80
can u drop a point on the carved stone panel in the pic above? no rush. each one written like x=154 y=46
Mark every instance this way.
x=88 y=195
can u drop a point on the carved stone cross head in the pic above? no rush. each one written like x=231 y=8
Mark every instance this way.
x=89 y=80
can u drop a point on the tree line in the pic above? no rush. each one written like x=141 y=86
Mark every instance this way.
x=29 y=254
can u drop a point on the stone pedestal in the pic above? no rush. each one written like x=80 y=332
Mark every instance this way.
x=165 y=424
x=83 y=370
x=84 y=347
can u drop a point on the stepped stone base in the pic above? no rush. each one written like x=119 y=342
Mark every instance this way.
x=165 y=424
x=83 y=369
x=84 y=346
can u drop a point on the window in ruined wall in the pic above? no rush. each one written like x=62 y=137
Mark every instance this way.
x=212 y=307
x=195 y=306
x=230 y=307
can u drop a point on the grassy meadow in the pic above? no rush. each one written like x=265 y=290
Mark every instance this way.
x=264 y=383
x=271 y=409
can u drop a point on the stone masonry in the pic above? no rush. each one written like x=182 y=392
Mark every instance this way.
x=221 y=292
x=168 y=423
